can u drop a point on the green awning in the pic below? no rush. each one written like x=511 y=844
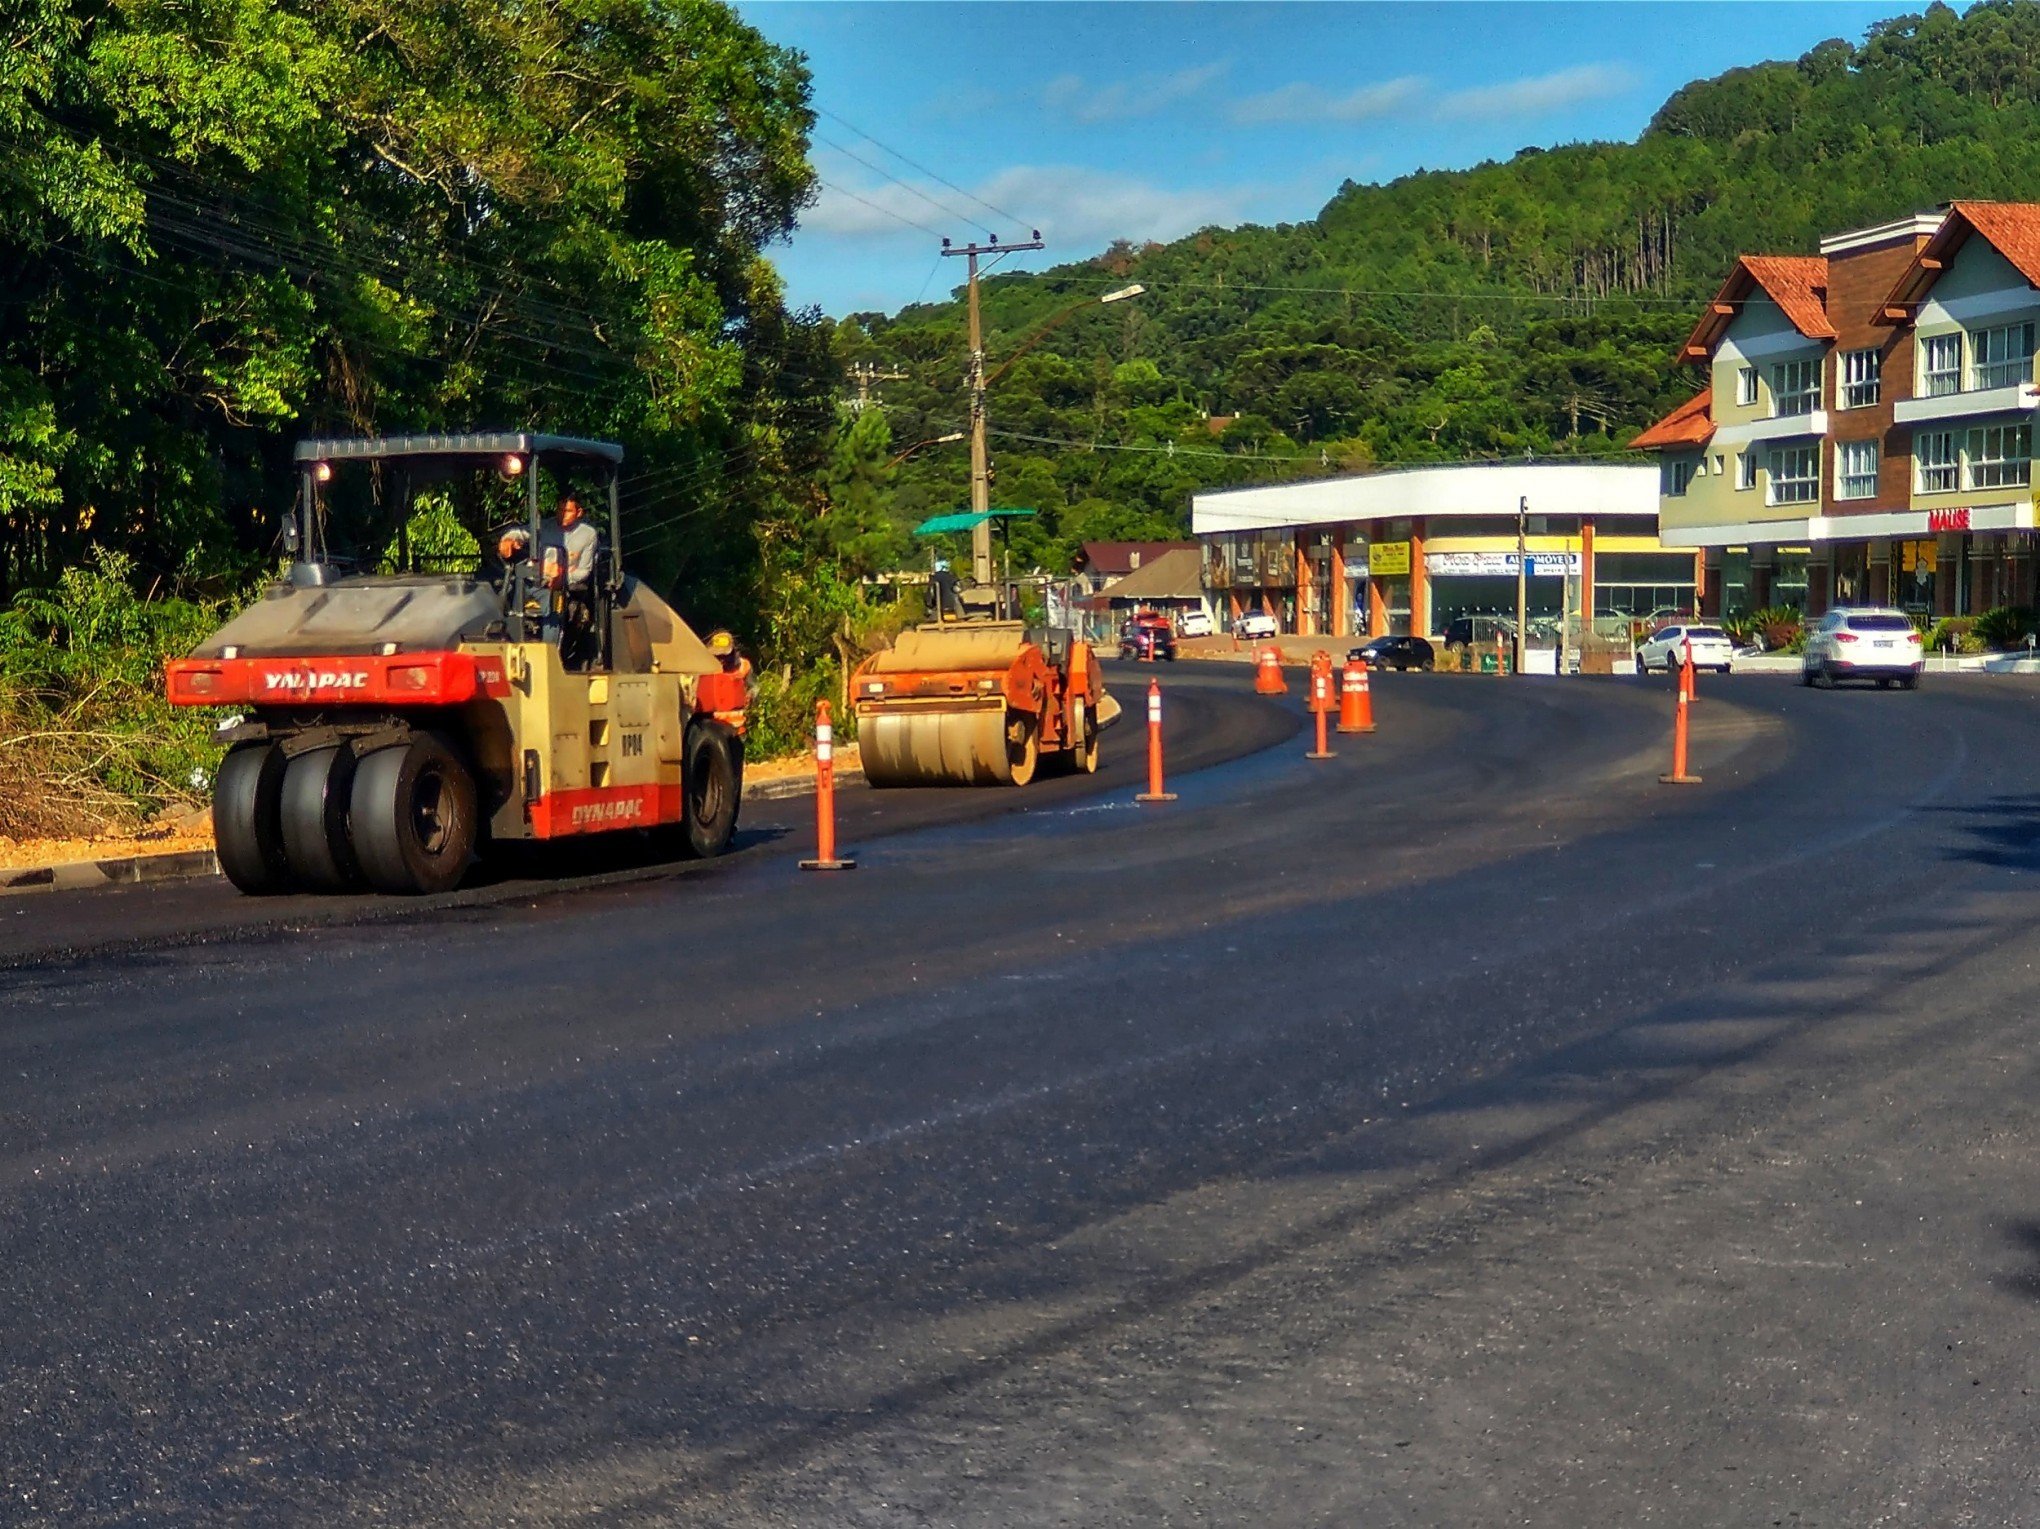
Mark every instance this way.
x=964 y=520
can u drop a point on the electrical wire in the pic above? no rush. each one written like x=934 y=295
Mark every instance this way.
x=922 y=169
x=906 y=186
x=897 y=217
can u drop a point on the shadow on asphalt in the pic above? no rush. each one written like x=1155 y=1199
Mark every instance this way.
x=2004 y=832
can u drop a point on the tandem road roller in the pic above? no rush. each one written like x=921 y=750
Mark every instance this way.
x=405 y=697
x=977 y=701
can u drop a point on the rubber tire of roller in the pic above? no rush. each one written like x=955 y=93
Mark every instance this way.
x=1023 y=748
x=246 y=831
x=412 y=814
x=1084 y=757
x=713 y=787
x=317 y=786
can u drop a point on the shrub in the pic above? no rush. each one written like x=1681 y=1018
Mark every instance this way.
x=2006 y=626
x=87 y=742
x=1954 y=634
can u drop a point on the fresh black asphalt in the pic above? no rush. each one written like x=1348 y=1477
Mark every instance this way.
x=1466 y=1130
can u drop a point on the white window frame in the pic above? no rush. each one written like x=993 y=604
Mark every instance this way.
x=1861 y=377
x=1795 y=387
x=1678 y=476
x=2000 y=357
x=1855 y=469
x=1940 y=365
x=1937 y=463
x=1746 y=468
x=1998 y=456
x=1795 y=475
x=1746 y=386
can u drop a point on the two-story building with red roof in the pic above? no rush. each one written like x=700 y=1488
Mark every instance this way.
x=1865 y=434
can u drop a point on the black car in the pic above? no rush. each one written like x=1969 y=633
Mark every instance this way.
x=1396 y=653
x=1147 y=643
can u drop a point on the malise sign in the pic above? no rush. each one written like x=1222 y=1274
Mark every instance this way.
x=1956 y=519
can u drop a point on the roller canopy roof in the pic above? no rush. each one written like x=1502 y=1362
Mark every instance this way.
x=492 y=443
x=964 y=520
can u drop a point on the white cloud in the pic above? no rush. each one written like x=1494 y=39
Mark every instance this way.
x=1541 y=93
x=1313 y=103
x=1079 y=210
x=1144 y=96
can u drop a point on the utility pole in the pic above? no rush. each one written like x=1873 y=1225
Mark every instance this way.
x=864 y=374
x=980 y=457
x=1522 y=579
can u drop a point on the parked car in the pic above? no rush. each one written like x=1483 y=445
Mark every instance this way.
x=1478 y=631
x=1147 y=642
x=1395 y=653
x=1255 y=624
x=1876 y=643
x=1666 y=649
x=1194 y=623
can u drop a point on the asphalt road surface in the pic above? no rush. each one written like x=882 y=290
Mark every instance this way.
x=1467 y=1130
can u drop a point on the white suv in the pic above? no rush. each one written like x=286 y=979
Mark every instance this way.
x=1194 y=623
x=1666 y=649
x=1863 y=642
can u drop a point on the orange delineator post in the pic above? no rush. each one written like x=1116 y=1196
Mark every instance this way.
x=1679 y=777
x=1321 y=701
x=825 y=797
x=1356 y=704
x=1688 y=685
x=1268 y=673
x=1154 y=792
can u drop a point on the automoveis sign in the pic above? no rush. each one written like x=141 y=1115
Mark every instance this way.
x=1463 y=565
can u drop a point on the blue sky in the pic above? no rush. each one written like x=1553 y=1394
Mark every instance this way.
x=1146 y=121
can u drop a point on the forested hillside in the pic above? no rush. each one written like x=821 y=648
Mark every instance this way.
x=1526 y=307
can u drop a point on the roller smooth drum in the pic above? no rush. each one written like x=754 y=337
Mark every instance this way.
x=936 y=748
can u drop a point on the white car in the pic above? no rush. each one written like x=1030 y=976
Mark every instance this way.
x=1194 y=624
x=1254 y=624
x=1666 y=649
x=1874 y=642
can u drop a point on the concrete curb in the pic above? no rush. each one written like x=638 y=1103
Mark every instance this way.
x=796 y=785
x=128 y=870
x=195 y=864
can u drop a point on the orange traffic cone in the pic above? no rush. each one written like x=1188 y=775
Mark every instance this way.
x=1268 y=673
x=1356 y=705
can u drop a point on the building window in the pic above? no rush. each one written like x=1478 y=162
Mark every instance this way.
x=1746 y=386
x=1678 y=474
x=1934 y=462
x=1795 y=387
x=2000 y=456
x=1860 y=371
x=1856 y=470
x=1795 y=475
x=1940 y=365
x=2001 y=357
x=1746 y=469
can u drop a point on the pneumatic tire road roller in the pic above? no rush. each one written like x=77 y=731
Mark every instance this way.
x=977 y=703
x=403 y=702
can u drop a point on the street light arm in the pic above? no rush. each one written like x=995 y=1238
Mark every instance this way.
x=1043 y=332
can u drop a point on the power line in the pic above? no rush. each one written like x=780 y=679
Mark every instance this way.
x=898 y=217
x=906 y=186
x=923 y=169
